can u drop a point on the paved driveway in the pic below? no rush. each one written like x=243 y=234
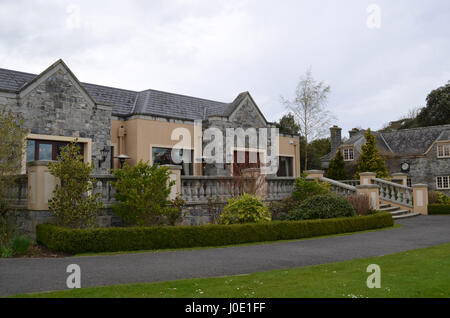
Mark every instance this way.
x=34 y=275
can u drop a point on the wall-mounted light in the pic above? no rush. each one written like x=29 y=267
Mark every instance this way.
x=104 y=153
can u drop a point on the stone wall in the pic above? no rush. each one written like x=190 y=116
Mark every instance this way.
x=423 y=169
x=245 y=116
x=58 y=107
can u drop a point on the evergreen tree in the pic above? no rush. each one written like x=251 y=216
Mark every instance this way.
x=370 y=159
x=336 y=168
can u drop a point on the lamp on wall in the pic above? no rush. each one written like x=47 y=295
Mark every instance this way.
x=104 y=153
x=122 y=159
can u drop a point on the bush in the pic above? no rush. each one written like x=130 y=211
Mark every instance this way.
x=438 y=208
x=174 y=213
x=71 y=204
x=20 y=245
x=142 y=192
x=442 y=198
x=6 y=251
x=360 y=203
x=280 y=209
x=304 y=189
x=246 y=208
x=322 y=207
x=168 y=237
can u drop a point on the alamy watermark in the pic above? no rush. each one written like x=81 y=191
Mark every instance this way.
x=374 y=16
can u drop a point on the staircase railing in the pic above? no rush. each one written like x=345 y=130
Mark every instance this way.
x=394 y=192
x=339 y=188
x=351 y=182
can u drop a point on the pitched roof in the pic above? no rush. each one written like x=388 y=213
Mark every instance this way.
x=128 y=102
x=404 y=142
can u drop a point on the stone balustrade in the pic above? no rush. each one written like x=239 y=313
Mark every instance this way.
x=394 y=192
x=17 y=194
x=103 y=185
x=353 y=183
x=338 y=187
x=279 y=188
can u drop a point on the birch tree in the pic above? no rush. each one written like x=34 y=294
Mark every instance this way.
x=308 y=107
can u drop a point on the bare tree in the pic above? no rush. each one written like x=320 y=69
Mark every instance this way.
x=308 y=107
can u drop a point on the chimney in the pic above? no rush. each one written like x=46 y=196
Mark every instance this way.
x=335 y=133
x=353 y=132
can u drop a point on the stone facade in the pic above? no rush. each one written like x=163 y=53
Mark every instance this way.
x=245 y=115
x=57 y=106
x=416 y=146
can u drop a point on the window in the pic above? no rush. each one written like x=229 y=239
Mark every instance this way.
x=163 y=156
x=409 y=182
x=45 y=149
x=285 y=167
x=443 y=151
x=244 y=160
x=443 y=182
x=347 y=153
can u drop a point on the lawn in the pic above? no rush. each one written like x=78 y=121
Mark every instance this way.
x=416 y=273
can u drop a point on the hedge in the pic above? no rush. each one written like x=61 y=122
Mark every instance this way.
x=76 y=241
x=438 y=208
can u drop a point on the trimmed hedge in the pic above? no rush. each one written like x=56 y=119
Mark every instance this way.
x=436 y=208
x=76 y=241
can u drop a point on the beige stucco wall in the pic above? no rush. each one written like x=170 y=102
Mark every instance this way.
x=291 y=150
x=143 y=134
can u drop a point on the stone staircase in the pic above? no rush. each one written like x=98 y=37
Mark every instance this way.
x=397 y=213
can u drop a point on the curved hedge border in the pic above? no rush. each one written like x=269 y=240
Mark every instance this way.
x=438 y=209
x=169 y=237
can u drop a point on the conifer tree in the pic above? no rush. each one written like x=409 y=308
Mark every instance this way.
x=336 y=168
x=370 y=159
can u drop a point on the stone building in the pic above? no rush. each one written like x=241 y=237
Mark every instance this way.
x=423 y=153
x=109 y=122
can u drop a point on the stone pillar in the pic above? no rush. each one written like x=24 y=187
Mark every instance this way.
x=40 y=185
x=175 y=175
x=366 y=177
x=258 y=182
x=373 y=192
x=314 y=174
x=403 y=177
x=420 y=198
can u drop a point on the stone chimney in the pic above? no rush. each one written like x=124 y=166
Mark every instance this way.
x=353 y=132
x=335 y=133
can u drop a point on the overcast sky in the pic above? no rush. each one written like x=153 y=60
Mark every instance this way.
x=217 y=49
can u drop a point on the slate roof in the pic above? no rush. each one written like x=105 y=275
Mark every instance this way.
x=127 y=102
x=403 y=142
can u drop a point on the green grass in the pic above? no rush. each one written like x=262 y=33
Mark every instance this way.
x=395 y=226
x=416 y=273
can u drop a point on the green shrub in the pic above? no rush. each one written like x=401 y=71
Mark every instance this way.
x=324 y=206
x=142 y=192
x=304 y=189
x=70 y=204
x=246 y=208
x=174 y=213
x=168 y=237
x=20 y=245
x=280 y=209
x=438 y=208
x=6 y=251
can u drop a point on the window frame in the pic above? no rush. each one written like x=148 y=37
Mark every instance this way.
x=191 y=164
x=54 y=144
x=443 y=148
x=347 y=149
x=443 y=178
x=291 y=168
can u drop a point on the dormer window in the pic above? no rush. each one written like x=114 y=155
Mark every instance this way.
x=347 y=153
x=443 y=151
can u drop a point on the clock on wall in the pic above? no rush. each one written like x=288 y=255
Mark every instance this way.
x=405 y=167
